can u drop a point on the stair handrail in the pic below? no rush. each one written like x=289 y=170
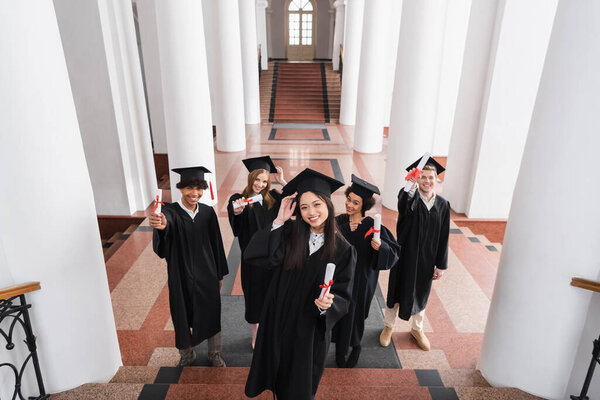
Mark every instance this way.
x=14 y=308
x=594 y=287
x=586 y=284
x=17 y=290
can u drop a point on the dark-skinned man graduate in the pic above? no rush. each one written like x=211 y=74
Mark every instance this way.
x=187 y=234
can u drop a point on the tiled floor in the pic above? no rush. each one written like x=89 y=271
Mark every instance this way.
x=459 y=302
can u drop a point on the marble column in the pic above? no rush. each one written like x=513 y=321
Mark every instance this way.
x=501 y=74
x=338 y=36
x=228 y=86
x=185 y=89
x=49 y=230
x=539 y=331
x=352 y=48
x=111 y=108
x=370 y=108
x=249 y=44
x=414 y=102
x=261 y=31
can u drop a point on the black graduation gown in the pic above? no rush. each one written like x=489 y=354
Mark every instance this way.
x=196 y=263
x=349 y=330
x=423 y=239
x=255 y=281
x=293 y=338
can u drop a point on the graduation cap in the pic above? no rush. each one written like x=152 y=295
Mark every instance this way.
x=363 y=188
x=263 y=162
x=438 y=167
x=190 y=173
x=313 y=181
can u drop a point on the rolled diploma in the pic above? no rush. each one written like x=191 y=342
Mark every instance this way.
x=157 y=200
x=377 y=226
x=420 y=166
x=251 y=200
x=328 y=277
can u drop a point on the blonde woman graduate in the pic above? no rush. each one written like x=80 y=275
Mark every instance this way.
x=245 y=220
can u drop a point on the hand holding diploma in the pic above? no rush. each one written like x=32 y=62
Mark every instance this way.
x=158 y=202
x=415 y=173
x=325 y=299
x=243 y=202
x=158 y=221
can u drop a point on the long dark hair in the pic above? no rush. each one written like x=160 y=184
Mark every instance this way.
x=247 y=192
x=296 y=247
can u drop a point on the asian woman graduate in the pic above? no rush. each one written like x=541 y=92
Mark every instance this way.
x=373 y=255
x=295 y=324
x=245 y=219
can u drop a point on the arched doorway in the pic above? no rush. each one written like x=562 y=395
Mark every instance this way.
x=300 y=29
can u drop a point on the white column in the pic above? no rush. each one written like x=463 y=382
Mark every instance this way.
x=535 y=322
x=185 y=89
x=146 y=11
x=491 y=130
x=390 y=62
x=414 y=104
x=228 y=88
x=139 y=137
x=111 y=107
x=352 y=48
x=261 y=32
x=338 y=36
x=370 y=107
x=457 y=22
x=49 y=229
x=247 y=18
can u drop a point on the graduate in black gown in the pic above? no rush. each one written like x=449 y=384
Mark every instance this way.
x=372 y=255
x=187 y=234
x=422 y=230
x=245 y=220
x=295 y=325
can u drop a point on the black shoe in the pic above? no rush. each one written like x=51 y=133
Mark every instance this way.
x=353 y=358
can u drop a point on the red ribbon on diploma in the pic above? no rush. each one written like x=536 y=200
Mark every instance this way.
x=416 y=173
x=212 y=195
x=326 y=286
x=371 y=230
x=156 y=203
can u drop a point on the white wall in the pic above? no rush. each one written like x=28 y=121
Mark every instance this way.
x=49 y=229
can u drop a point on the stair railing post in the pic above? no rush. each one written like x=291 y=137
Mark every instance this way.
x=590 y=373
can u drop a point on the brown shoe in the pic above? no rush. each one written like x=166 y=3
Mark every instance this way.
x=187 y=357
x=386 y=337
x=216 y=359
x=421 y=339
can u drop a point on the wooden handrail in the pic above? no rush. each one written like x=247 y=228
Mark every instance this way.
x=586 y=284
x=17 y=290
x=342 y=53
